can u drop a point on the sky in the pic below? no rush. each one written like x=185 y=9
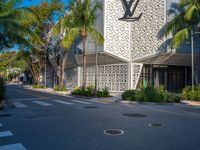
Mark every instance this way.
x=36 y=2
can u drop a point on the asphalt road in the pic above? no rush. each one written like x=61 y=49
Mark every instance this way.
x=48 y=122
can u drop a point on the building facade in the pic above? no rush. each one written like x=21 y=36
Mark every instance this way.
x=134 y=53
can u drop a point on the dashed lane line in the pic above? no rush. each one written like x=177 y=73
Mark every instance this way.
x=41 y=103
x=5 y=134
x=17 y=146
x=19 y=105
x=63 y=102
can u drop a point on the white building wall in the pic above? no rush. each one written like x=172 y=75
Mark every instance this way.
x=114 y=77
x=145 y=32
x=116 y=33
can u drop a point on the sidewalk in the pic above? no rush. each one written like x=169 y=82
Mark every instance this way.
x=68 y=94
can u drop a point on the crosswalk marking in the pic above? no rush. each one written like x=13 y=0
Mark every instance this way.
x=19 y=105
x=17 y=146
x=82 y=102
x=41 y=103
x=5 y=133
x=24 y=99
x=63 y=102
x=1 y=125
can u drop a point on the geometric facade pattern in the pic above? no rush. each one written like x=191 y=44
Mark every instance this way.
x=145 y=33
x=116 y=33
x=136 y=70
x=114 y=77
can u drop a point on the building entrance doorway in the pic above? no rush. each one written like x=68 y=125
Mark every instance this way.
x=173 y=78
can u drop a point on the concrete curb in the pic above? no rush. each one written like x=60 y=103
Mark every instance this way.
x=144 y=103
x=48 y=92
x=191 y=103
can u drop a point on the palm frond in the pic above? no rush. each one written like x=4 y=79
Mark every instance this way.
x=96 y=36
x=69 y=37
x=180 y=37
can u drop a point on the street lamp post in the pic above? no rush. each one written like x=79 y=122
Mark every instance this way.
x=45 y=70
x=192 y=54
x=96 y=68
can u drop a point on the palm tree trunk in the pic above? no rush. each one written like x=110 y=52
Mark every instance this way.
x=84 y=63
x=62 y=71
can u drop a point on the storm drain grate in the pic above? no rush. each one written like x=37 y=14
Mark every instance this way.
x=5 y=115
x=91 y=107
x=113 y=132
x=135 y=115
x=155 y=125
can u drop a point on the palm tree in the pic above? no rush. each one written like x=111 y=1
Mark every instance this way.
x=186 y=18
x=12 y=30
x=80 y=22
x=183 y=25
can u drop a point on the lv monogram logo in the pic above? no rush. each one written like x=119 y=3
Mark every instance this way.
x=128 y=15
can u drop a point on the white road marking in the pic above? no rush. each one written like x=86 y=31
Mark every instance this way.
x=22 y=99
x=5 y=134
x=63 y=102
x=1 y=125
x=82 y=102
x=19 y=105
x=17 y=146
x=41 y=103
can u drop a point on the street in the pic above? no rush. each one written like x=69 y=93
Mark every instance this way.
x=38 y=121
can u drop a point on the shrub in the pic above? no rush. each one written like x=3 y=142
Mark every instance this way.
x=57 y=88
x=38 y=86
x=186 y=93
x=89 y=91
x=172 y=97
x=139 y=96
x=149 y=94
x=129 y=95
x=106 y=92
x=152 y=94
x=76 y=91
x=100 y=94
x=2 y=90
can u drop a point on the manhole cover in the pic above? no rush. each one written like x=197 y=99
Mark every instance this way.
x=155 y=125
x=5 y=115
x=92 y=107
x=135 y=115
x=113 y=132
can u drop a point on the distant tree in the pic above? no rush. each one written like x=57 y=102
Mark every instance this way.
x=35 y=56
x=11 y=65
